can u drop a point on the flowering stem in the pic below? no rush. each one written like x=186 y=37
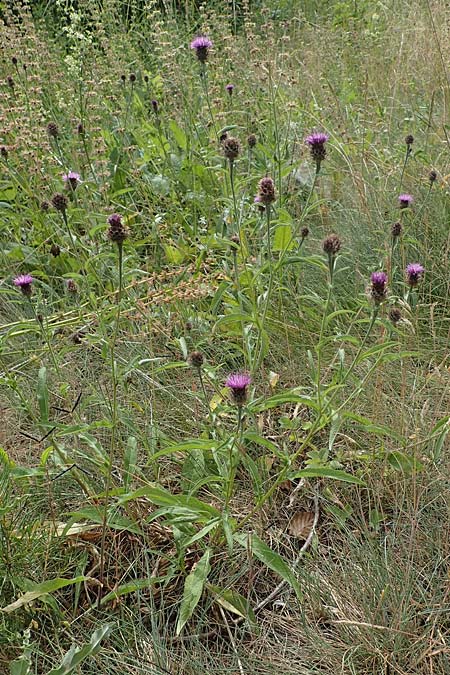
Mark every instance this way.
x=233 y=192
x=259 y=346
x=40 y=322
x=114 y=416
x=204 y=81
x=232 y=463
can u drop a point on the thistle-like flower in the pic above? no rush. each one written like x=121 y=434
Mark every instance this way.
x=396 y=230
x=229 y=88
x=60 y=202
x=117 y=231
x=238 y=383
x=414 y=273
x=202 y=45
x=316 y=142
x=331 y=245
x=432 y=176
x=378 y=288
x=72 y=180
x=395 y=315
x=52 y=130
x=251 y=141
x=405 y=200
x=23 y=282
x=231 y=148
x=266 y=191
x=196 y=359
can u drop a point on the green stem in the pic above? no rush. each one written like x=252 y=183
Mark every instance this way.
x=232 y=463
x=259 y=348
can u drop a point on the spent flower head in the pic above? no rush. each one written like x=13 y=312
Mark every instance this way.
x=117 y=231
x=60 y=202
x=23 y=282
x=231 y=148
x=201 y=44
x=238 y=383
x=414 y=273
x=266 y=191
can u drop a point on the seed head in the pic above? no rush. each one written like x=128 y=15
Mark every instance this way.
x=238 y=383
x=251 y=141
x=405 y=200
x=266 y=191
x=414 y=272
x=45 y=206
x=231 y=148
x=80 y=129
x=155 y=106
x=117 y=231
x=304 y=232
x=378 y=289
x=4 y=152
x=395 y=315
x=196 y=359
x=396 y=229
x=10 y=82
x=55 y=250
x=14 y=60
x=24 y=281
x=132 y=78
x=432 y=176
x=331 y=245
x=202 y=45
x=409 y=140
x=52 y=130
x=71 y=286
x=146 y=79
x=59 y=202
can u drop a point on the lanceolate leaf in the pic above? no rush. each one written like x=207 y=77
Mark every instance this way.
x=193 y=589
x=270 y=558
x=41 y=589
x=76 y=655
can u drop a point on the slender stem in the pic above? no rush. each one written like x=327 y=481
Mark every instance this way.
x=322 y=330
x=114 y=420
x=259 y=348
x=40 y=322
x=236 y=223
x=234 y=464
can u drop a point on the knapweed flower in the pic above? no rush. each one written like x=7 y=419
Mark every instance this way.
x=331 y=245
x=414 y=272
x=316 y=142
x=432 y=176
x=266 y=191
x=396 y=230
x=72 y=180
x=71 y=286
x=117 y=231
x=196 y=359
x=24 y=281
x=378 y=288
x=155 y=106
x=251 y=141
x=229 y=88
x=59 y=202
x=202 y=45
x=52 y=130
x=231 y=148
x=238 y=383
x=4 y=152
x=395 y=315
x=405 y=200
x=409 y=140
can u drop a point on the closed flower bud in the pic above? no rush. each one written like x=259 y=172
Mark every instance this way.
x=395 y=315
x=231 y=148
x=59 y=202
x=251 y=141
x=331 y=245
x=196 y=359
x=52 y=130
x=117 y=231
x=266 y=191
x=396 y=229
x=55 y=250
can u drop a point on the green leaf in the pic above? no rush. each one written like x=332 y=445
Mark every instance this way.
x=326 y=472
x=129 y=461
x=178 y=134
x=130 y=587
x=41 y=589
x=76 y=655
x=42 y=393
x=402 y=462
x=193 y=589
x=283 y=240
x=233 y=602
x=162 y=497
x=270 y=558
x=280 y=399
x=22 y=666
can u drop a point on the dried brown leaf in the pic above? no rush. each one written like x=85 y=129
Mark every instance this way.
x=301 y=524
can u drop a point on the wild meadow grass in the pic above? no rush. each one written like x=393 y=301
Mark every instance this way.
x=224 y=338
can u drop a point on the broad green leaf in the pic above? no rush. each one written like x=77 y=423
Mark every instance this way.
x=326 y=472
x=233 y=602
x=193 y=589
x=22 y=666
x=41 y=589
x=270 y=558
x=283 y=239
x=402 y=462
x=77 y=655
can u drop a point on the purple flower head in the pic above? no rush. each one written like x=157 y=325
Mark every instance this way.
x=24 y=281
x=229 y=88
x=316 y=142
x=238 y=383
x=414 y=272
x=117 y=231
x=155 y=106
x=378 y=289
x=405 y=200
x=201 y=44
x=72 y=180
